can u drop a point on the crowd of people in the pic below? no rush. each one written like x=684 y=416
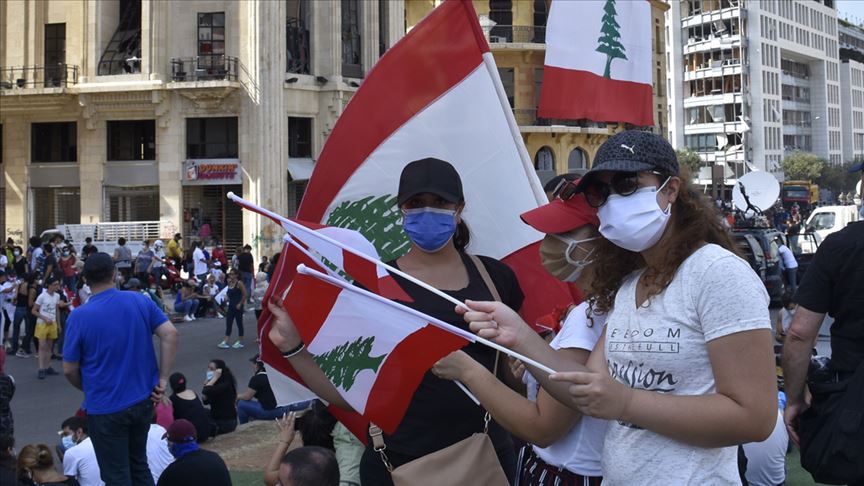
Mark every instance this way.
x=658 y=378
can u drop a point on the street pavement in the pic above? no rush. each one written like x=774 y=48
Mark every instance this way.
x=40 y=406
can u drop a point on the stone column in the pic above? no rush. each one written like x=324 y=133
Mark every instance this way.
x=263 y=121
x=170 y=152
x=91 y=165
x=369 y=29
x=15 y=159
x=155 y=38
x=326 y=38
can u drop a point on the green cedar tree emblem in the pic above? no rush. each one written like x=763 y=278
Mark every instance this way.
x=376 y=218
x=609 y=42
x=343 y=363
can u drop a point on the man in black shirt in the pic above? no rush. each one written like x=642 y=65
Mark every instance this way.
x=192 y=465
x=833 y=284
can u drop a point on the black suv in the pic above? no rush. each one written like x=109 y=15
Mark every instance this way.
x=759 y=247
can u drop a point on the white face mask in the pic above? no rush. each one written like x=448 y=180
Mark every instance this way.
x=635 y=222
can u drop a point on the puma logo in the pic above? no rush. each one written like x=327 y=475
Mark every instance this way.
x=628 y=148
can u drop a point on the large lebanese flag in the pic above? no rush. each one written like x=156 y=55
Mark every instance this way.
x=598 y=62
x=374 y=351
x=436 y=93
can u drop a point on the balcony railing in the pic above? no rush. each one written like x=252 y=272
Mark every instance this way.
x=57 y=76
x=528 y=117
x=518 y=33
x=204 y=68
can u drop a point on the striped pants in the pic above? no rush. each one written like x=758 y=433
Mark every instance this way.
x=533 y=471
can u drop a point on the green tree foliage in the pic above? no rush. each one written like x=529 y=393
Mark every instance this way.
x=609 y=42
x=689 y=159
x=802 y=166
x=837 y=178
x=343 y=363
x=376 y=218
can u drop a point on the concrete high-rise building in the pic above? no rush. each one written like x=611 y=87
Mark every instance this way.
x=131 y=110
x=753 y=80
x=851 y=39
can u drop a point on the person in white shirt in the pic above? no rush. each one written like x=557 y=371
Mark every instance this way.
x=79 y=461
x=789 y=265
x=47 y=328
x=158 y=455
x=199 y=261
x=564 y=447
x=766 y=460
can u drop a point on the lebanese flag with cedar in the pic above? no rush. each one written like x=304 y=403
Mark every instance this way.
x=288 y=387
x=598 y=62
x=436 y=93
x=373 y=350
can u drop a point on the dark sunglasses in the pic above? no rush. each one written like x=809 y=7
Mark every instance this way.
x=622 y=183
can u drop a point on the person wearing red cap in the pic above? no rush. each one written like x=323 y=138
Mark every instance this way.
x=192 y=465
x=564 y=447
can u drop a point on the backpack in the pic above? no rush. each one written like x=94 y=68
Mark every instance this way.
x=832 y=430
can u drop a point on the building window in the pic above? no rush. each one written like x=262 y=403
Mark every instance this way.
x=55 y=54
x=541 y=13
x=296 y=190
x=577 y=160
x=508 y=80
x=54 y=142
x=501 y=11
x=299 y=137
x=351 y=46
x=297 y=37
x=211 y=138
x=544 y=160
x=383 y=27
x=211 y=40
x=132 y=140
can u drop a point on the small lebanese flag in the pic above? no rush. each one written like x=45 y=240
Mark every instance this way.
x=374 y=351
x=288 y=387
x=598 y=62
x=436 y=93
x=339 y=249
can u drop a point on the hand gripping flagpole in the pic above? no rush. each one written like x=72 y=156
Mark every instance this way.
x=468 y=336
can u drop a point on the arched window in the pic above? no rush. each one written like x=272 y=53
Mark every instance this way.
x=544 y=160
x=577 y=160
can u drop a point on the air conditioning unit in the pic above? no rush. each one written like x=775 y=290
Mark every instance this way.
x=497 y=39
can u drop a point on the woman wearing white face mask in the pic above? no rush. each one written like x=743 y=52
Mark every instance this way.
x=566 y=446
x=684 y=371
x=431 y=200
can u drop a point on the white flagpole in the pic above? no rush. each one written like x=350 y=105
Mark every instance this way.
x=435 y=322
x=315 y=234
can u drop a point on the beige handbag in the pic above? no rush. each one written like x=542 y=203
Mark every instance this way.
x=469 y=462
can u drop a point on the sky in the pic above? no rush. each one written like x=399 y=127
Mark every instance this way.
x=853 y=10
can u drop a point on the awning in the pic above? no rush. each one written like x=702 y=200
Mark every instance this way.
x=300 y=169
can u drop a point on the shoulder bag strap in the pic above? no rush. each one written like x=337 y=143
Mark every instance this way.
x=487 y=279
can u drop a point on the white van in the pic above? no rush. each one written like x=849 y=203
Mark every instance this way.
x=830 y=219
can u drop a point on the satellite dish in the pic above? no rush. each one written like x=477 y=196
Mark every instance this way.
x=761 y=188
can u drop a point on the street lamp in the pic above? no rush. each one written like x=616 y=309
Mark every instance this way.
x=486 y=24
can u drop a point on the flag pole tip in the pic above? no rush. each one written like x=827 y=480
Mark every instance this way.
x=231 y=195
x=301 y=268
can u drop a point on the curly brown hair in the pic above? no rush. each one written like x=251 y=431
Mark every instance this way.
x=695 y=221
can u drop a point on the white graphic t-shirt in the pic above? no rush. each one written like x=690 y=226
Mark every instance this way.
x=580 y=449
x=48 y=306
x=661 y=346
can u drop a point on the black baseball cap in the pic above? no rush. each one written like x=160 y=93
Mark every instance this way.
x=430 y=175
x=633 y=151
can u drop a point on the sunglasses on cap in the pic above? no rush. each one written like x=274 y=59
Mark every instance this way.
x=597 y=192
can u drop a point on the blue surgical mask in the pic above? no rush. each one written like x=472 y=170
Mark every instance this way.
x=430 y=228
x=209 y=375
x=67 y=441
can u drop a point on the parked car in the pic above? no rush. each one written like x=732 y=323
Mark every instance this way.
x=752 y=241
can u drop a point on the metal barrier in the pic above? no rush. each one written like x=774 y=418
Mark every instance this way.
x=56 y=76
x=204 y=68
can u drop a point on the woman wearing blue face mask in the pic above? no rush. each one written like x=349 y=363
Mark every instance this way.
x=440 y=414
x=684 y=370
